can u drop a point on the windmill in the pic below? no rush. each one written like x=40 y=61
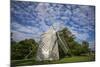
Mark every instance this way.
x=48 y=47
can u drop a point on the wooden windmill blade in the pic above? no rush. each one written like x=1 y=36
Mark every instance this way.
x=62 y=43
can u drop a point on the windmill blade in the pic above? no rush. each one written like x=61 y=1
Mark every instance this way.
x=29 y=53
x=62 y=45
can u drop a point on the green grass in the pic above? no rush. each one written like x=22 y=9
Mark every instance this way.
x=75 y=59
x=63 y=60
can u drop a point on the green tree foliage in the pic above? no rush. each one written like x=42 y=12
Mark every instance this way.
x=13 y=50
x=68 y=38
x=24 y=49
x=85 y=47
x=74 y=48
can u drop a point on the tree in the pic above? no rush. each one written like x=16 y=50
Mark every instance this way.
x=85 y=47
x=74 y=48
x=13 y=47
x=68 y=37
x=22 y=49
x=13 y=50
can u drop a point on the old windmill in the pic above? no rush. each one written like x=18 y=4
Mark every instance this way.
x=48 y=45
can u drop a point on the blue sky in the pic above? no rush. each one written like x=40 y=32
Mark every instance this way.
x=31 y=19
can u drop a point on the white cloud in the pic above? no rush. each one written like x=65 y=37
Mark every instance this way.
x=19 y=33
x=56 y=15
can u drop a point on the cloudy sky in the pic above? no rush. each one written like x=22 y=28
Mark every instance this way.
x=31 y=19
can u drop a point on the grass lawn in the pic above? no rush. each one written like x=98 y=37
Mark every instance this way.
x=75 y=59
x=63 y=60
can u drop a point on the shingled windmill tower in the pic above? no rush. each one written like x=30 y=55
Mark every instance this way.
x=48 y=47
